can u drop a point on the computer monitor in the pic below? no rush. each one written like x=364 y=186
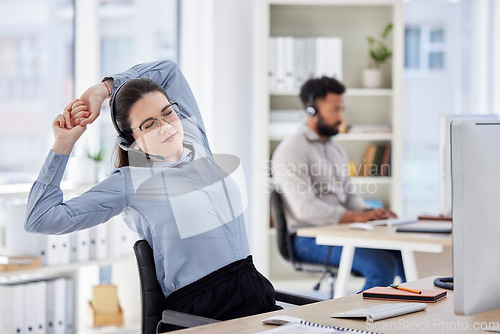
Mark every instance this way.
x=475 y=175
x=444 y=157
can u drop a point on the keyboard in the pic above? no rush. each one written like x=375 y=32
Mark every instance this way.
x=393 y=221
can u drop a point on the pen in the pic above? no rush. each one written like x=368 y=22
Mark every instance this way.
x=395 y=286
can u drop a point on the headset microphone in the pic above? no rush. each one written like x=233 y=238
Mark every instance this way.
x=123 y=143
x=159 y=157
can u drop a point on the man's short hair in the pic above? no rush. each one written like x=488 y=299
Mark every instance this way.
x=315 y=88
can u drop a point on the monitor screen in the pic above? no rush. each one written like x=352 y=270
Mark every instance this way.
x=475 y=175
x=444 y=157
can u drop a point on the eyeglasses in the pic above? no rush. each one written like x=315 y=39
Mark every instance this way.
x=151 y=126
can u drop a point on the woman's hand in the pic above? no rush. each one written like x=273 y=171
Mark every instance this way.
x=66 y=132
x=93 y=97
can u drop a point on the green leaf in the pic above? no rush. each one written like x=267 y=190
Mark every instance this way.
x=377 y=48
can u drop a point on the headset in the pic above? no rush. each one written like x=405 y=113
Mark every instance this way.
x=311 y=109
x=125 y=141
x=444 y=282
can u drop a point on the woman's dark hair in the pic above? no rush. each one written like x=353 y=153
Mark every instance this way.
x=125 y=97
x=316 y=88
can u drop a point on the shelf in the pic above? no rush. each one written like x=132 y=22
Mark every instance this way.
x=349 y=92
x=379 y=180
x=363 y=137
x=333 y=2
x=280 y=130
x=47 y=272
x=126 y=329
x=23 y=189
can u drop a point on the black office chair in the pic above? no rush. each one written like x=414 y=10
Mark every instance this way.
x=153 y=301
x=285 y=246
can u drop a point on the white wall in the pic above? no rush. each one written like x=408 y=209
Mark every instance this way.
x=216 y=58
x=427 y=95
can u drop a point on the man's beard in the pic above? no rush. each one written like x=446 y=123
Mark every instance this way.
x=325 y=129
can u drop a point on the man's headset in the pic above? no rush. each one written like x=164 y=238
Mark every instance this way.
x=124 y=140
x=311 y=109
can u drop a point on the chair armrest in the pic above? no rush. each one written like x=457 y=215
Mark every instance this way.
x=185 y=319
x=295 y=299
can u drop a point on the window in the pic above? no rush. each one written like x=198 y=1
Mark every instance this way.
x=133 y=31
x=425 y=48
x=36 y=80
x=37 y=68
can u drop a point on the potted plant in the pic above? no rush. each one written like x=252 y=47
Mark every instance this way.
x=379 y=52
x=98 y=158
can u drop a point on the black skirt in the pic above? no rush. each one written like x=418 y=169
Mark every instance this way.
x=233 y=291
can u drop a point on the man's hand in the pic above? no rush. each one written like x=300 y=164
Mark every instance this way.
x=364 y=216
x=93 y=97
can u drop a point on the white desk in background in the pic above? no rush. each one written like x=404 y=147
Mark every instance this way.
x=381 y=237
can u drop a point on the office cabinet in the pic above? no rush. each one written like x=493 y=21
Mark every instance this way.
x=73 y=262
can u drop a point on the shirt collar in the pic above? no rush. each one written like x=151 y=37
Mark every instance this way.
x=309 y=133
x=188 y=154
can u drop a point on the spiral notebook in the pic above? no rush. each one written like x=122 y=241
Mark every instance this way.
x=294 y=325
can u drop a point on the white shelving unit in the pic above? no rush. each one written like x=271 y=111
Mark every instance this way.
x=352 y=21
x=85 y=274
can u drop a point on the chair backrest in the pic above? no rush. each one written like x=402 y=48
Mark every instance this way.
x=152 y=298
x=283 y=236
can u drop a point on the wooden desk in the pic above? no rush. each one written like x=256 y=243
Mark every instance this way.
x=437 y=318
x=381 y=237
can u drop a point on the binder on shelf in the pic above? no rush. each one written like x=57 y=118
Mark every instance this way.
x=300 y=62
x=40 y=301
x=289 y=63
x=70 y=306
x=56 y=306
x=294 y=60
x=29 y=309
x=6 y=311
x=18 y=307
x=52 y=303
x=122 y=239
x=377 y=161
x=63 y=248
x=33 y=244
x=270 y=63
x=368 y=159
x=50 y=253
x=311 y=57
x=385 y=165
x=98 y=242
x=279 y=64
x=79 y=245
x=329 y=57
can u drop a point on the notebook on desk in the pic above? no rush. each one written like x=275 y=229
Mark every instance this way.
x=388 y=293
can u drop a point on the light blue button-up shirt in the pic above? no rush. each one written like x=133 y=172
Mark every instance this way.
x=190 y=212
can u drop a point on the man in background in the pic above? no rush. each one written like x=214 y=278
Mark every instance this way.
x=311 y=172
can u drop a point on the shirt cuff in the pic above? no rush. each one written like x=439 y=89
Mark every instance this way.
x=53 y=169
